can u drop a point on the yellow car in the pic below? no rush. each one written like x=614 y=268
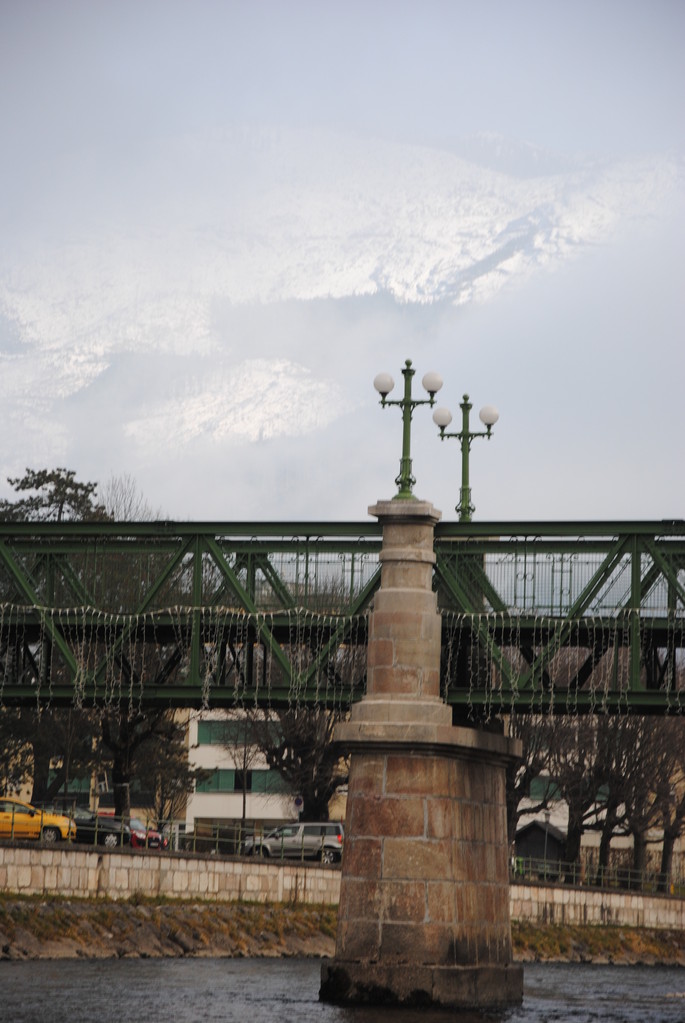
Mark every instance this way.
x=21 y=820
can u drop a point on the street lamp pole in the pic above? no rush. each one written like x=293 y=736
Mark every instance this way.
x=384 y=384
x=442 y=417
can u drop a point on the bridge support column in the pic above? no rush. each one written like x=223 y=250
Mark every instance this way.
x=424 y=900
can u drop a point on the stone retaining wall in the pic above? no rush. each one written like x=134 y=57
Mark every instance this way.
x=561 y=904
x=33 y=870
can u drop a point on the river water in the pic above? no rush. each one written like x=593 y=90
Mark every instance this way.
x=286 y=991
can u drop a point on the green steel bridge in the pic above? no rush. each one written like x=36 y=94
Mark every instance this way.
x=537 y=616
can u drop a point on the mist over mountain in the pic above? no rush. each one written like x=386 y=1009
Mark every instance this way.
x=231 y=289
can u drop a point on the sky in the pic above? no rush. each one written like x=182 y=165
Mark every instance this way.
x=221 y=219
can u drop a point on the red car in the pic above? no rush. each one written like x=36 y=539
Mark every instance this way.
x=146 y=838
x=141 y=836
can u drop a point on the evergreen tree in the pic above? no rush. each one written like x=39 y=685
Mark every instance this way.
x=52 y=495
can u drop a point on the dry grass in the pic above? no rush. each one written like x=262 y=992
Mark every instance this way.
x=557 y=942
x=32 y=926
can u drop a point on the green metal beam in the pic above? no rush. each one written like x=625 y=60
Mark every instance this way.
x=191 y=589
x=563 y=626
x=45 y=622
x=248 y=604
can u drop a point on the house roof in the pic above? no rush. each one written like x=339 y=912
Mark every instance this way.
x=552 y=832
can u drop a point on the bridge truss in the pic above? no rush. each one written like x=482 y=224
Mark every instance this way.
x=541 y=617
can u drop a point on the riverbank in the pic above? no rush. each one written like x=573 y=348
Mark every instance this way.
x=39 y=928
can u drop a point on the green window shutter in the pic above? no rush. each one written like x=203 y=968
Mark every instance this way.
x=269 y=782
x=222 y=733
x=218 y=781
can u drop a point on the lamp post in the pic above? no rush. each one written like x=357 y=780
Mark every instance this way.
x=384 y=384
x=442 y=417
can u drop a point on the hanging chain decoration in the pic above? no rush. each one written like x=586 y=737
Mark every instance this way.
x=240 y=658
x=493 y=662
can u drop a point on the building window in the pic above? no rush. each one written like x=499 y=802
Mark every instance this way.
x=234 y=732
x=218 y=781
x=264 y=782
x=223 y=733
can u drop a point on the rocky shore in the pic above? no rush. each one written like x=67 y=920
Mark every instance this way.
x=35 y=928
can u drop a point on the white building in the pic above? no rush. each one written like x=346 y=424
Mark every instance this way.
x=241 y=793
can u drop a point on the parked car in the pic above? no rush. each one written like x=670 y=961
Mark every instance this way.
x=95 y=829
x=21 y=820
x=146 y=838
x=142 y=837
x=297 y=841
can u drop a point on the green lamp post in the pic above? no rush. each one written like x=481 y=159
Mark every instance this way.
x=442 y=417
x=384 y=384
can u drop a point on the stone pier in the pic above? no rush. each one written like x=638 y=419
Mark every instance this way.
x=424 y=898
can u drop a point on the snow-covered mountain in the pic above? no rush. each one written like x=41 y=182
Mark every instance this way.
x=268 y=216
x=119 y=264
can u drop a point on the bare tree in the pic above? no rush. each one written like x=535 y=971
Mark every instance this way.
x=124 y=734
x=670 y=796
x=161 y=769
x=576 y=767
x=124 y=502
x=536 y=735
x=298 y=743
x=654 y=795
x=614 y=752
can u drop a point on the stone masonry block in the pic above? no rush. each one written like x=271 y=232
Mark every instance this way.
x=416 y=858
x=380 y=653
x=372 y=816
x=358 y=939
x=413 y=535
x=64 y=878
x=455 y=987
x=396 y=681
x=405 y=605
x=393 y=623
x=416 y=649
x=407 y=943
x=367 y=774
x=360 y=899
x=431 y=628
x=439 y=817
x=403 y=901
x=469 y=821
x=417 y=775
x=362 y=857
x=441 y=902
x=478 y=783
